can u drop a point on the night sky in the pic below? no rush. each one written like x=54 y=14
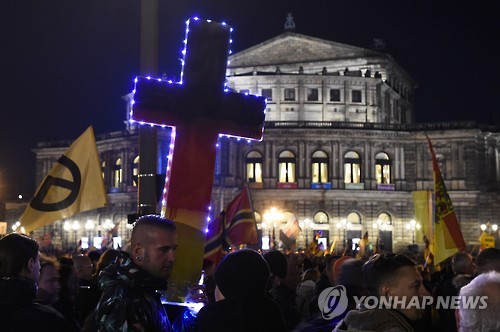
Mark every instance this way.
x=65 y=64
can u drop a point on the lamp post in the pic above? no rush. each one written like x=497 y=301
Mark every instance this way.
x=489 y=228
x=67 y=228
x=488 y=237
x=89 y=226
x=412 y=225
x=18 y=228
x=273 y=216
x=344 y=225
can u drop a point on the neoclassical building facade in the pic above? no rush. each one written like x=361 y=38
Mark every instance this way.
x=341 y=151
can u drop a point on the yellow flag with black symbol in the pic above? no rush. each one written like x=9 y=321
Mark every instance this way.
x=74 y=184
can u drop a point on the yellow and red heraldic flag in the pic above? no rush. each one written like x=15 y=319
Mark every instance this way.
x=448 y=238
x=74 y=184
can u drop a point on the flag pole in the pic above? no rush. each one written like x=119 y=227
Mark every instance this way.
x=249 y=193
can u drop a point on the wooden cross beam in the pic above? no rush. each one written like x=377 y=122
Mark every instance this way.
x=200 y=108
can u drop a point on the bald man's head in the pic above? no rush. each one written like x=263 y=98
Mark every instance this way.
x=153 y=245
x=146 y=225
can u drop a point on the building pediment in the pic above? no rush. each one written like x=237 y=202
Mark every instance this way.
x=291 y=47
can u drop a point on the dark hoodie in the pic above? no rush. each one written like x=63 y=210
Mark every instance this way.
x=19 y=312
x=130 y=300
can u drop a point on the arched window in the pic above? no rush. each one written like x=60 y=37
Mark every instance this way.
x=286 y=165
x=117 y=173
x=320 y=217
x=383 y=222
x=135 y=172
x=352 y=167
x=354 y=218
x=254 y=166
x=382 y=168
x=319 y=162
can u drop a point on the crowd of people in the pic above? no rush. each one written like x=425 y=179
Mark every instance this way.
x=246 y=291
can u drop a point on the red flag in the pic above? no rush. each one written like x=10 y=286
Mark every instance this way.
x=448 y=238
x=239 y=221
x=292 y=228
x=236 y=225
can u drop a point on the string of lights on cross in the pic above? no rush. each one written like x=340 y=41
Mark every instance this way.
x=177 y=103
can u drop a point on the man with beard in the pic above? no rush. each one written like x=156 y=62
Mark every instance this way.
x=130 y=301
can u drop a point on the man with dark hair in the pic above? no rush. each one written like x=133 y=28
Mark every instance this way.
x=19 y=274
x=488 y=260
x=393 y=278
x=464 y=269
x=130 y=301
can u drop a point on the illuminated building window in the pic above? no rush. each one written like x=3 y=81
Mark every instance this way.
x=352 y=167
x=356 y=96
x=383 y=221
x=268 y=93
x=103 y=168
x=312 y=95
x=354 y=218
x=289 y=94
x=382 y=168
x=334 y=94
x=254 y=166
x=319 y=163
x=135 y=172
x=286 y=165
x=117 y=173
x=320 y=217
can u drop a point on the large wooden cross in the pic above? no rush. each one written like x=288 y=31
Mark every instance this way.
x=200 y=108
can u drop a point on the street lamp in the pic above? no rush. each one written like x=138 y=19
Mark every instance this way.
x=273 y=216
x=412 y=225
x=489 y=228
x=381 y=225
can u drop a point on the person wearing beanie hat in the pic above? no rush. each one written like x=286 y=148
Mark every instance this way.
x=242 y=303
x=277 y=263
x=242 y=273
